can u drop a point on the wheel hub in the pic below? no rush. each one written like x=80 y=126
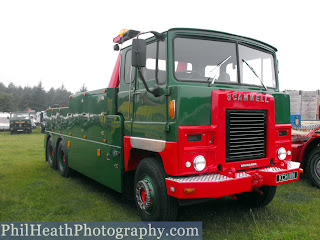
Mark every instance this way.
x=143 y=195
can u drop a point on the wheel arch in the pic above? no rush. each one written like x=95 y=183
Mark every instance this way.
x=136 y=149
x=137 y=155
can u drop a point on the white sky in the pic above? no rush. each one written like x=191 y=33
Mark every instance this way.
x=70 y=42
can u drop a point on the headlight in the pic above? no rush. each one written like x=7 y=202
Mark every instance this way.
x=282 y=153
x=199 y=163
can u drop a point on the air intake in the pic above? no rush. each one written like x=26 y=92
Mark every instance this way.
x=246 y=135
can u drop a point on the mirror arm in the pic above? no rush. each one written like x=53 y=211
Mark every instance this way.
x=144 y=81
x=156 y=91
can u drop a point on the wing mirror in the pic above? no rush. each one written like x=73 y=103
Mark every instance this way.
x=139 y=53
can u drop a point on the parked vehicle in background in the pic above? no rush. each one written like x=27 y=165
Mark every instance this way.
x=32 y=118
x=188 y=115
x=4 y=121
x=37 y=118
x=43 y=121
x=20 y=122
x=306 y=149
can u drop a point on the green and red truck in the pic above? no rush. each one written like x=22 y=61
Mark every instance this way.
x=188 y=115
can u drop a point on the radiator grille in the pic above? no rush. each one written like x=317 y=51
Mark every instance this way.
x=246 y=135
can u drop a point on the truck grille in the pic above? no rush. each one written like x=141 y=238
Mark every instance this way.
x=246 y=135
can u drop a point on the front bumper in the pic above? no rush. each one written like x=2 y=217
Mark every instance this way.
x=217 y=185
x=20 y=129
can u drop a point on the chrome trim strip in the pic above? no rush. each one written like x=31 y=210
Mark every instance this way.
x=83 y=139
x=148 y=144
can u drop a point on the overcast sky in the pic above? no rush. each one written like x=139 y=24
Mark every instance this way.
x=70 y=42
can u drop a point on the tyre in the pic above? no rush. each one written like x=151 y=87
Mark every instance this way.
x=150 y=191
x=50 y=153
x=260 y=198
x=11 y=132
x=313 y=167
x=62 y=160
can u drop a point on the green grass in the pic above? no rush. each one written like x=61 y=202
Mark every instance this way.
x=31 y=191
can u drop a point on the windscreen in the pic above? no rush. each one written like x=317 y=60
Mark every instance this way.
x=261 y=62
x=199 y=59
x=20 y=116
x=215 y=61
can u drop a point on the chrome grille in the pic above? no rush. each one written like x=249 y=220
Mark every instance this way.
x=246 y=135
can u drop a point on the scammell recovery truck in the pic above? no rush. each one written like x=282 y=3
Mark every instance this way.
x=188 y=115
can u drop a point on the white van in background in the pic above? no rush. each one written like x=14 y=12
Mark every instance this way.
x=4 y=121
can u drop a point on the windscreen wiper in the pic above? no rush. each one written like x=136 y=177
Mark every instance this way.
x=217 y=67
x=265 y=88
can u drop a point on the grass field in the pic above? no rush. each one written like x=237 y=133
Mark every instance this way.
x=31 y=191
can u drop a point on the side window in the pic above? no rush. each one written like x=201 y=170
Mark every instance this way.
x=149 y=71
x=128 y=68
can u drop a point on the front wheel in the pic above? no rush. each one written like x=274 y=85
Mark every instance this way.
x=313 y=167
x=258 y=198
x=150 y=191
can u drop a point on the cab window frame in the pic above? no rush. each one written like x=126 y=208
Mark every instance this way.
x=237 y=43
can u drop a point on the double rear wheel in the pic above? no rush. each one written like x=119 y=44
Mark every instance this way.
x=58 y=159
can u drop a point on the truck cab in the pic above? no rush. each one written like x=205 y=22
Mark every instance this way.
x=190 y=114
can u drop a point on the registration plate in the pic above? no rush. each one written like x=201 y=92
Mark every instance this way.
x=287 y=176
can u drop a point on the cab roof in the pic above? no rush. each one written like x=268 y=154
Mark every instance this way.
x=229 y=36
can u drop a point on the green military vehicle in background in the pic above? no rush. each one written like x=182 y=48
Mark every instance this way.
x=20 y=122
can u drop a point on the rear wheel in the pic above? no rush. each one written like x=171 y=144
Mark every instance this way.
x=258 y=198
x=62 y=160
x=50 y=156
x=313 y=167
x=151 y=197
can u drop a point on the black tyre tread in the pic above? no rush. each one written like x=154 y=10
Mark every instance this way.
x=253 y=198
x=312 y=157
x=54 y=163
x=170 y=205
x=66 y=172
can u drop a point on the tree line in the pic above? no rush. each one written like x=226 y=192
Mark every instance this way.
x=16 y=98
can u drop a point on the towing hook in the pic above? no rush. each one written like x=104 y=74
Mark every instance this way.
x=256 y=181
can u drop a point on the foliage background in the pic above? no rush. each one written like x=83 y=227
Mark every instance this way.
x=16 y=98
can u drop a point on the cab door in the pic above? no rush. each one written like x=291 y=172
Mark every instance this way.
x=126 y=89
x=149 y=112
